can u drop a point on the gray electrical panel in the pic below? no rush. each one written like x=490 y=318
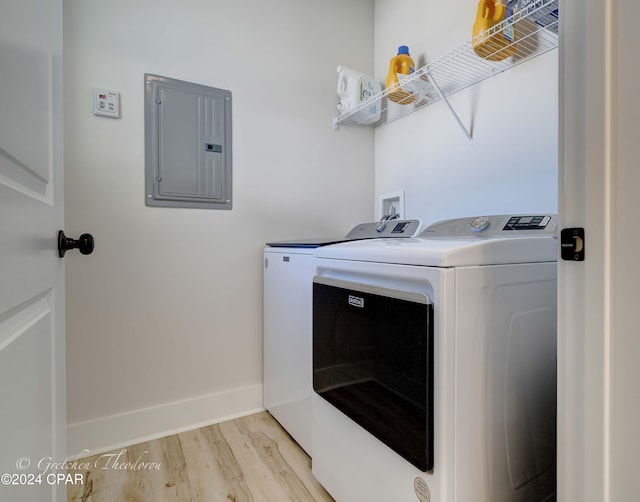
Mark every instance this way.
x=187 y=144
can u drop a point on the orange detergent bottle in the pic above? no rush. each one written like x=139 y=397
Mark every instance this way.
x=493 y=46
x=402 y=64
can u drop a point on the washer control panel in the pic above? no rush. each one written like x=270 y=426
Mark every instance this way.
x=384 y=228
x=495 y=226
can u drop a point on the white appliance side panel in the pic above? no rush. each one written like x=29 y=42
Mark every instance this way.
x=351 y=463
x=506 y=382
x=288 y=279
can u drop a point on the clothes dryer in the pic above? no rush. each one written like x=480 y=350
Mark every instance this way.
x=434 y=364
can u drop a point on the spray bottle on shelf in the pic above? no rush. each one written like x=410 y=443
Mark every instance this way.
x=402 y=65
x=493 y=46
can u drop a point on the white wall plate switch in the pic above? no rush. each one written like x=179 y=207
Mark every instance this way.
x=106 y=103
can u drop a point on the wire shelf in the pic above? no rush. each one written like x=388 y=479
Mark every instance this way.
x=536 y=32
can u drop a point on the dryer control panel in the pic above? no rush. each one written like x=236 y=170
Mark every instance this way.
x=527 y=223
x=495 y=226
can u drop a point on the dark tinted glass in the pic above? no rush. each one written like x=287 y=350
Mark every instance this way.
x=373 y=360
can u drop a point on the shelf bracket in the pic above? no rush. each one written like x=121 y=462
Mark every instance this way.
x=455 y=115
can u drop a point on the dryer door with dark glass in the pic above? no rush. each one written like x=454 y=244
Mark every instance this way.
x=373 y=361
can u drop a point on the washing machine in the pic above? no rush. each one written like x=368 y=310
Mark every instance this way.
x=434 y=364
x=287 y=303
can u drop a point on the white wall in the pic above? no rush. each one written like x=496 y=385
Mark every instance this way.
x=168 y=308
x=512 y=165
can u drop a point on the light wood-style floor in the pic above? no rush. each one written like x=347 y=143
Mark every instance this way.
x=244 y=460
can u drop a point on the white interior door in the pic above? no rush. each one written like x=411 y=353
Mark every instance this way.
x=598 y=337
x=32 y=371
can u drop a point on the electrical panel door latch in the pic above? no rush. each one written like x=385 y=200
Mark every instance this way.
x=572 y=244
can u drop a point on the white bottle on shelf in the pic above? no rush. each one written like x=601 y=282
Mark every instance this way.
x=354 y=88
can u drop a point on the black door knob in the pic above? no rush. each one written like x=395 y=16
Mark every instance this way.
x=84 y=244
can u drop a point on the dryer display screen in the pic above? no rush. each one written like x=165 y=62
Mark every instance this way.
x=527 y=223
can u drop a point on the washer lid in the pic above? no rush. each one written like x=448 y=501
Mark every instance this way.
x=373 y=230
x=462 y=242
x=309 y=243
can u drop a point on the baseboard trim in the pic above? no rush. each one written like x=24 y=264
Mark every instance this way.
x=101 y=435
